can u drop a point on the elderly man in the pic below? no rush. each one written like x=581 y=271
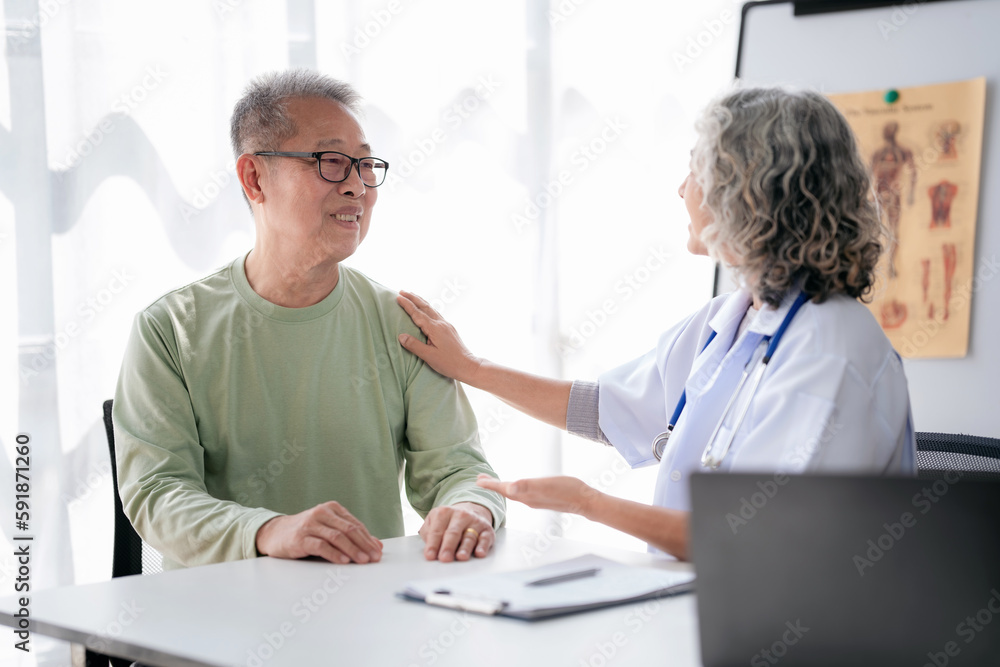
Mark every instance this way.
x=268 y=408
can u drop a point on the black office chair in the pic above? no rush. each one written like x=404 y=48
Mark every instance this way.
x=976 y=457
x=130 y=555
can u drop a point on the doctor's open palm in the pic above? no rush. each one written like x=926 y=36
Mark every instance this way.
x=561 y=494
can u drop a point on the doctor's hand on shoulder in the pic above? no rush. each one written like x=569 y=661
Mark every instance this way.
x=444 y=350
x=539 y=397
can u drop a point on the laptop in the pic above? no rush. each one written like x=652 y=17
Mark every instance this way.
x=845 y=570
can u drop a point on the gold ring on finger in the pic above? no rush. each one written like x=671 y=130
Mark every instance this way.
x=473 y=531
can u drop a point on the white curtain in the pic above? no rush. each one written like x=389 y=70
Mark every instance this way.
x=535 y=148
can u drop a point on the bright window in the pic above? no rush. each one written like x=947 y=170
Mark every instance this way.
x=532 y=197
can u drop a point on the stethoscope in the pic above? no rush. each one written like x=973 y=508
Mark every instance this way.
x=707 y=458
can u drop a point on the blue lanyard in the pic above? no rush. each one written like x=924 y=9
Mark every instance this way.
x=772 y=346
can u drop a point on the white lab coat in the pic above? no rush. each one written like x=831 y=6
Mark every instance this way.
x=833 y=398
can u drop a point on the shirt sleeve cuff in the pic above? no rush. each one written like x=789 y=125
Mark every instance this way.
x=252 y=528
x=582 y=412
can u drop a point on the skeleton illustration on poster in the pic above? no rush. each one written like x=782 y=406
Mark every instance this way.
x=924 y=146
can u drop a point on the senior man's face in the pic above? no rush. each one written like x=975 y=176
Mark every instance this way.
x=321 y=221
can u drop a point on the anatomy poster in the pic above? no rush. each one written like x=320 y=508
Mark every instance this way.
x=924 y=145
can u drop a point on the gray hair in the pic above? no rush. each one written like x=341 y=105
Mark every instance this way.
x=789 y=194
x=260 y=119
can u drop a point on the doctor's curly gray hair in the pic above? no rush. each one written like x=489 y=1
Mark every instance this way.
x=789 y=195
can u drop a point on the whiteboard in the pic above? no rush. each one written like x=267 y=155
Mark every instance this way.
x=909 y=44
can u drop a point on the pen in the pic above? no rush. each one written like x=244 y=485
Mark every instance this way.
x=569 y=576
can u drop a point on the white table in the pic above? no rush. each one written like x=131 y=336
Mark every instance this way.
x=267 y=612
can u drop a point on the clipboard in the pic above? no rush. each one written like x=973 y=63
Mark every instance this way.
x=567 y=587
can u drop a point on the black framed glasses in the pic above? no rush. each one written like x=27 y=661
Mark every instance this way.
x=335 y=167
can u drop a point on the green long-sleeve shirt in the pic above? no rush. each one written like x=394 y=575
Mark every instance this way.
x=231 y=410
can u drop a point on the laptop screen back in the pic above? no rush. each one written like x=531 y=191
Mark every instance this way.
x=825 y=570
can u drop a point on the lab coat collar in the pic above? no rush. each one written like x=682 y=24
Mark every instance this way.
x=769 y=319
x=725 y=324
x=728 y=319
x=707 y=366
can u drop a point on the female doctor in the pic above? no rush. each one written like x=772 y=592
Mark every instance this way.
x=788 y=374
